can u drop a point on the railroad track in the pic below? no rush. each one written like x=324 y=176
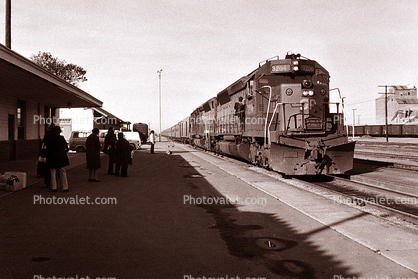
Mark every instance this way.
x=393 y=205
x=407 y=157
x=396 y=165
x=388 y=202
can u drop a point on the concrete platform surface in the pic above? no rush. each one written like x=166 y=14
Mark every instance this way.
x=192 y=215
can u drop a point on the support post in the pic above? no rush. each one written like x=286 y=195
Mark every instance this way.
x=159 y=78
x=8 y=24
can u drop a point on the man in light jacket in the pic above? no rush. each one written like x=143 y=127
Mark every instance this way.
x=152 y=140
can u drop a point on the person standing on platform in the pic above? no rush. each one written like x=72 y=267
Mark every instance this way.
x=123 y=156
x=43 y=169
x=110 y=148
x=152 y=140
x=56 y=158
x=93 y=155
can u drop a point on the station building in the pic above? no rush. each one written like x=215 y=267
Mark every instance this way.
x=29 y=100
x=402 y=105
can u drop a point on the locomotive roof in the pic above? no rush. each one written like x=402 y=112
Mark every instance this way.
x=263 y=68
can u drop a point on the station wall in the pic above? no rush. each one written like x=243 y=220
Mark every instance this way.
x=25 y=141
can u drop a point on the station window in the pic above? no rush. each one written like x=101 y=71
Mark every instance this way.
x=21 y=117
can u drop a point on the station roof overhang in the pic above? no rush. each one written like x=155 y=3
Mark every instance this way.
x=100 y=112
x=22 y=78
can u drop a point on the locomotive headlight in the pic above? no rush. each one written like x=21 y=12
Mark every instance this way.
x=295 y=65
x=323 y=91
x=306 y=93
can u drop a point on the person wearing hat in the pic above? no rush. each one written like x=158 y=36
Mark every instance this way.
x=57 y=158
x=123 y=156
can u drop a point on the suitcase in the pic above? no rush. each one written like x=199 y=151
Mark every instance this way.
x=15 y=180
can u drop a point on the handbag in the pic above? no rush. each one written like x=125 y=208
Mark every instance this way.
x=41 y=168
x=42 y=154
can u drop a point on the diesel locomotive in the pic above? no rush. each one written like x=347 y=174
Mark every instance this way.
x=279 y=117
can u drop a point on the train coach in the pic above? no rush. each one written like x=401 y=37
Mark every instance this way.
x=394 y=130
x=179 y=132
x=280 y=117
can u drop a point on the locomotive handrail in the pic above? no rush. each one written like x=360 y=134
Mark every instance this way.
x=267 y=114
x=271 y=120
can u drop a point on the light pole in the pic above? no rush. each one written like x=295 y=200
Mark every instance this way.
x=386 y=110
x=159 y=78
x=8 y=24
x=354 y=120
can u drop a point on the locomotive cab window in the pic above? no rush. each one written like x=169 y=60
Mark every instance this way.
x=322 y=78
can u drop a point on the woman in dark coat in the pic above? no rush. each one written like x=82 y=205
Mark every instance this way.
x=56 y=158
x=123 y=156
x=93 y=155
x=110 y=148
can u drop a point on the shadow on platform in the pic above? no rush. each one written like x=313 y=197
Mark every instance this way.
x=97 y=240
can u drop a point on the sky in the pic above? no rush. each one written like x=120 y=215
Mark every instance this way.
x=203 y=46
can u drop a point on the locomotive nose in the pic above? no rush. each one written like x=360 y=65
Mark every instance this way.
x=307 y=104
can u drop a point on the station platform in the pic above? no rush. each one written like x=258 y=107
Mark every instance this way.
x=192 y=215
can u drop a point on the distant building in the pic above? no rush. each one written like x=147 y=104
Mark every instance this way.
x=402 y=105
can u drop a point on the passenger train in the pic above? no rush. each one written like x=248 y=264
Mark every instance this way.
x=279 y=117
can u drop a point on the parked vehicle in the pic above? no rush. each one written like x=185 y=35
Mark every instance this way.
x=77 y=141
x=132 y=137
x=142 y=129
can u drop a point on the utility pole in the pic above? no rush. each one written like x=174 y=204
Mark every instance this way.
x=354 y=120
x=8 y=24
x=345 y=120
x=159 y=78
x=386 y=111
